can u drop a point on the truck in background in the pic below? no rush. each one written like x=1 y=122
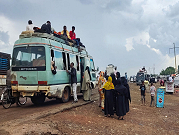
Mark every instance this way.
x=4 y=67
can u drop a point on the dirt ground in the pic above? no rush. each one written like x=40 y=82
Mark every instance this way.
x=89 y=119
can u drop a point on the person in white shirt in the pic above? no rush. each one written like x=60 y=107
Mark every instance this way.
x=152 y=93
x=170 y=79
x=30 y=26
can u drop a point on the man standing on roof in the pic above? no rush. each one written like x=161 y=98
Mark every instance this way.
x=73 y=81
x=30 y=26
x=65 y=32
x=46 y=27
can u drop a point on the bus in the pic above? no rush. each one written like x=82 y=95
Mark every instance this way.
x=31 y=74
x=141 y=76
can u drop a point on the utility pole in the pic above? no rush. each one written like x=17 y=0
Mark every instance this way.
x=175 y=56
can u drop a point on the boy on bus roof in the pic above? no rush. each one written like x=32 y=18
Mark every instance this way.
x=30 y=26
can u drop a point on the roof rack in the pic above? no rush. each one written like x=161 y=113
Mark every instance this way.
x=60 y=38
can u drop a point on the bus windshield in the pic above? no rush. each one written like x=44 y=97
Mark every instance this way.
x=140 y=76
x=33 y=56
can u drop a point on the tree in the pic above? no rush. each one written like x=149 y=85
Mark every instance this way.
x=168 y=71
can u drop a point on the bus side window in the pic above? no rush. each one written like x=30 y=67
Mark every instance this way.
x=68 y=60
x=78 y=64
x=64 y=61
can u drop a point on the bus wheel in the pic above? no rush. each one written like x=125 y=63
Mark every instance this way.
x=66 y=95
x=39 y=99
x=22 y=100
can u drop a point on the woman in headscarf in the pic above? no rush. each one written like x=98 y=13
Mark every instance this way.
x=86 y=88
x=128 y=96
x=120 y=100
x=118 y=75
x=101 y=83
x=108 y=104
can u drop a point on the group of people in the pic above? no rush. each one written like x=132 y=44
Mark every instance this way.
x=114 y=95
x=143 y=93
x=47 y=28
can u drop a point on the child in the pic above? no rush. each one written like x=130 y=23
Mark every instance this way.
x=152 y=92
x=142 y=88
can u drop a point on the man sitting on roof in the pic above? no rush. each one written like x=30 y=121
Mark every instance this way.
x=73 y=37
x=46 y=27
x=65 y=32
x=30 y=26
x=72 y=33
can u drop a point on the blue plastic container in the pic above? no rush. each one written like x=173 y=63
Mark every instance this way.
x=160 y=97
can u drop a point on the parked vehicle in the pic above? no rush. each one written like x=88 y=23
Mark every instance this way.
x=141 y=76
x=131 y=79
x=176 y=82
x=31 y=67
x=4 y=67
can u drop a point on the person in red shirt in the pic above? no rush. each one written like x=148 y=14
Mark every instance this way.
x=72 y=33
x=73 y=37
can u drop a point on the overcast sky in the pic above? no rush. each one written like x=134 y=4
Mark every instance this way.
x=127 y=33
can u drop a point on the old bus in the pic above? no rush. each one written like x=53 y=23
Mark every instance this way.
x=31 y=67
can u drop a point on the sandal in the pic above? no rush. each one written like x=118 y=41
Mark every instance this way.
x=121 y=118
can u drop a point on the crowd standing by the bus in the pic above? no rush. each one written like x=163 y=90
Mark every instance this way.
x=114 y=95
x=114 y=90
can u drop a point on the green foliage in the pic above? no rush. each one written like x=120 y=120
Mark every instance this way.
x=168 y=71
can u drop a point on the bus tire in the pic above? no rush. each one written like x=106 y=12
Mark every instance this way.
x=66 y=95
x=38 y=100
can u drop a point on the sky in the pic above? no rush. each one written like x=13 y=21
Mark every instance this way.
x=129 y=34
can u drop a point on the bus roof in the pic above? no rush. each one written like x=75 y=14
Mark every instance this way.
x=48 y=39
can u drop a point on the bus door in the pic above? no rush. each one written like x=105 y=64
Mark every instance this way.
x=93 y=73
x=90 y=64
x=75 y=59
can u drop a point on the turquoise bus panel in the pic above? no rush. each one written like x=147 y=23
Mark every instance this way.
x=44 y=40
x=42 y=76
x=67 y=47
x=78 y=76
x=83 y=52
x=56 y=44
x=75 y=49
x=27 y=77
x=61 y=77
x=32 y=40
x=35 y=40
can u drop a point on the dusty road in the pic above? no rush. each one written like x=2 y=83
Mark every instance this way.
x=66 y=118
